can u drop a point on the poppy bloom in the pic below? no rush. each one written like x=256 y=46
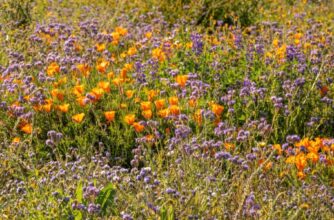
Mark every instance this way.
x=56 y=93
x=181 y=80
x=63 y=108
x=147 y=114
x=145 y=106
x=130 y=119
x=158 y=54
x=102 y=66
x=192 y=102
x=132 y=51
x=47 y=107
x=104 y=85
x=138 y=127
x=198 y=116
x=78 y=90
x=100 y=47
x=52 y=69
x=174 y=109
x=16 y=140
x=163 y=113
x=98 y=93
x=122 y=31
x=148 y=35
x=109 y=115
x=27 y=128
x=173 y=100
x=217 y=109
x=78 y=117
x=159 y=104
x=129 y=93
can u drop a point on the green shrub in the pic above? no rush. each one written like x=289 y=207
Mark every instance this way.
x=16 y=12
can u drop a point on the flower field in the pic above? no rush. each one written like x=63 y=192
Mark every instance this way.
x=139 y=110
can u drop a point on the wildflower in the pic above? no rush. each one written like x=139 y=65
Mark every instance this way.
x=102 y=66
x=158 y=54
x=109 y=115
x=300 y=162
x=98 y=93
x=130 y=119
x=145 y=106
x=148 y=35
x=192 y=102
x=47 y=107
x=173 y=100
x=174 y=110
x=78 y=117
x=27 y=128
x=278 y=148
x=122 y=31
x=52 y=69
x=100 y=47
x=138 y=127
x=104 y=85
x=181 y=80
x=147 y=114
x=78 y=90
x=132 y=51
x=198 y=116
x=55 y=93
x=217 y=109
x=16 y=140
x=163 y=113
x=159 y=104
x=129 y=93
x=63 y=108
x=84 y=69
x=151 y=94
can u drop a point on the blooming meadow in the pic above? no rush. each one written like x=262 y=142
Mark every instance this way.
x=118 y=112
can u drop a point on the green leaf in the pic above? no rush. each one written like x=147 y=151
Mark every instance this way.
x=106 y=197
x=79 y=192
x=77 y=215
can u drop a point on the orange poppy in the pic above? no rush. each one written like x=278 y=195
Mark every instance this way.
x=110 y=115
x=130 y=119
x=138 y=127
x=78 y=117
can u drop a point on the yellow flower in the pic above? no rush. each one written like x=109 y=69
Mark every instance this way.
x=130 y=119
x=78 y=117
